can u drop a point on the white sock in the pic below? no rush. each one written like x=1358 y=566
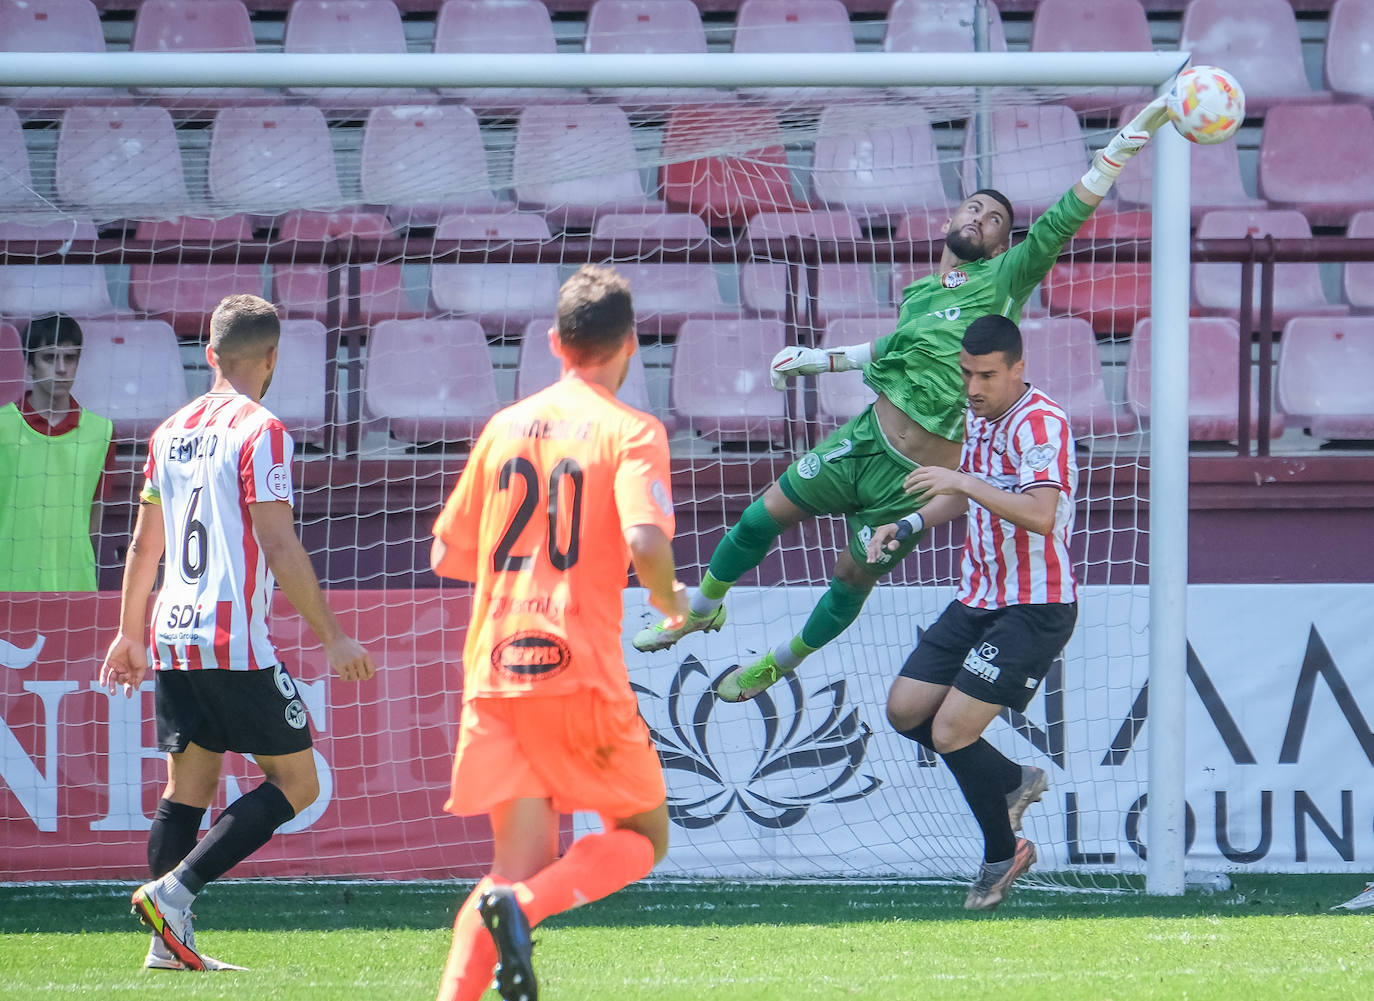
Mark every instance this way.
x=174 y=892
x=703 y=606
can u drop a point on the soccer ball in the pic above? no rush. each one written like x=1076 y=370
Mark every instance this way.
x=1206 y=105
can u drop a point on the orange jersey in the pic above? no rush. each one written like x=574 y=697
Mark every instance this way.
x=537 y=522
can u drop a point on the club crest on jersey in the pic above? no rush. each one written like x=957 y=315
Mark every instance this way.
x=295 y=714
x=1039 y=457
x=809 y=466
x=954 y=279
x=278 y=482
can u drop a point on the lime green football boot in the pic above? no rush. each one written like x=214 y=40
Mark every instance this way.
x=657 y=637
x=745 y=683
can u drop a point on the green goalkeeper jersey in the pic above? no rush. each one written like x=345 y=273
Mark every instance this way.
x=917 y=365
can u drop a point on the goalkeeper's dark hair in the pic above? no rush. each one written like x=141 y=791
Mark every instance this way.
x=996 y=195
x=49 y=331
x=994 y=333
x=242 y=328
x=595 y=313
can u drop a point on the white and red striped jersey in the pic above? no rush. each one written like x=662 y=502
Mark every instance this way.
x=206 y=464
x=1003 y=564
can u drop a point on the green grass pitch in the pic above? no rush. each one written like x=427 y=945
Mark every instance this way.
x=1267 y=938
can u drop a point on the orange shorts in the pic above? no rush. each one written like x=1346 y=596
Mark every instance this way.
x=581 y=751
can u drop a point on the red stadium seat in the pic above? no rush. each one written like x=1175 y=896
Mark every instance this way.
x=422 y=161
x=504 y=297
x=348 y=26
x=1297 y=286
x=430 y=380
x=1347 y=68
x=1323 y=375
x=302 y=288
x=13 y=368
x=940 y=26
x=1039 y=152
x=196 y=26
x=842 y=395
x=843 y=290
x=918 y=227
x=576 y=162
x=1062 y=359
x=666 y=294
x=130 y=372
x=793 y=26
x=538 y=368
x=1213 y=379
x=1100 y=26
x=488 y=26
x=116 y=161
x=1257 y=42
x=649 y=26
x=719 y=384
x=17 y=193
x=877 y=162
x=28 y=290
x=271 y=160
x=1324 y=188
x=1213 y=171
x=725 y=188
x=184 y=295
x=1110 y=294
x=1357 y=282
x=52 y=26
x=297 y=393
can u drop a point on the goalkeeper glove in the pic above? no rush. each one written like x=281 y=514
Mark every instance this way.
x=797 y=360
x=1108 y=161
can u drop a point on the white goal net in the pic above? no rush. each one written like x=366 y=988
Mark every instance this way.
x=414 y=242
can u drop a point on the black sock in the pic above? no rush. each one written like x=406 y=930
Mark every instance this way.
x=920 y=734
x=244 y=827
x=977 y=768
x=172 y=836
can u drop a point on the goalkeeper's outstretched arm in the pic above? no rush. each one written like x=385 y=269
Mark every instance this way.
x=797 y=360
x=1108 y=161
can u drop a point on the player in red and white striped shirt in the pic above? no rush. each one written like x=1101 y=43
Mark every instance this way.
x=218 y=501
x=1017 y=599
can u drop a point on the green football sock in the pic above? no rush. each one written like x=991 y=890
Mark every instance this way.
x=742 y=549
x=838 y=607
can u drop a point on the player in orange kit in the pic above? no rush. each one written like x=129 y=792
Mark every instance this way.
x=562 y=490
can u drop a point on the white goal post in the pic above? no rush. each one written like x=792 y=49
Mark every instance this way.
x=1168 y=439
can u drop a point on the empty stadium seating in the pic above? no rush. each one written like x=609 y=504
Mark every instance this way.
x=793 y=26
x=122 y=156
x=725 y=164
x=184 y=294
x=1347 y=69
x=1257 y=42
x=297 y=393
x=1039 y=152
x=719 y=383
x=302 y=287
x=430 y=380
x=940 y=26
x=348 y=26
x=538 y=367
x=1324 y=375
x=196 y=26
x=1103 y=25
x=12 y=366
x=649 y=26
x=1214 y=178
x=1306 y=157
x=17 y=193
x=878 y=163
x=1357 y=283
x=842 y=289
x=130 y=372
x=420 y=161
x=28 y=290
x=1062 y=359
x=665 y=294
x=487 y=26
x=1111 y=294
x=1297 y=286
x=1213 y=379
x=52 y=26
x=576 y=162
x=504 y=297
x=270 y=160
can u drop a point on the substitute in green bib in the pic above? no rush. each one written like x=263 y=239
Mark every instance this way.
x=917 y=419
x=53 y=459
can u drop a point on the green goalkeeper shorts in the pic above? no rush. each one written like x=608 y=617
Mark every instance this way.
x=857 y=473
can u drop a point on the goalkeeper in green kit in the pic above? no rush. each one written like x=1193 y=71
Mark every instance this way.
x=917 y=419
